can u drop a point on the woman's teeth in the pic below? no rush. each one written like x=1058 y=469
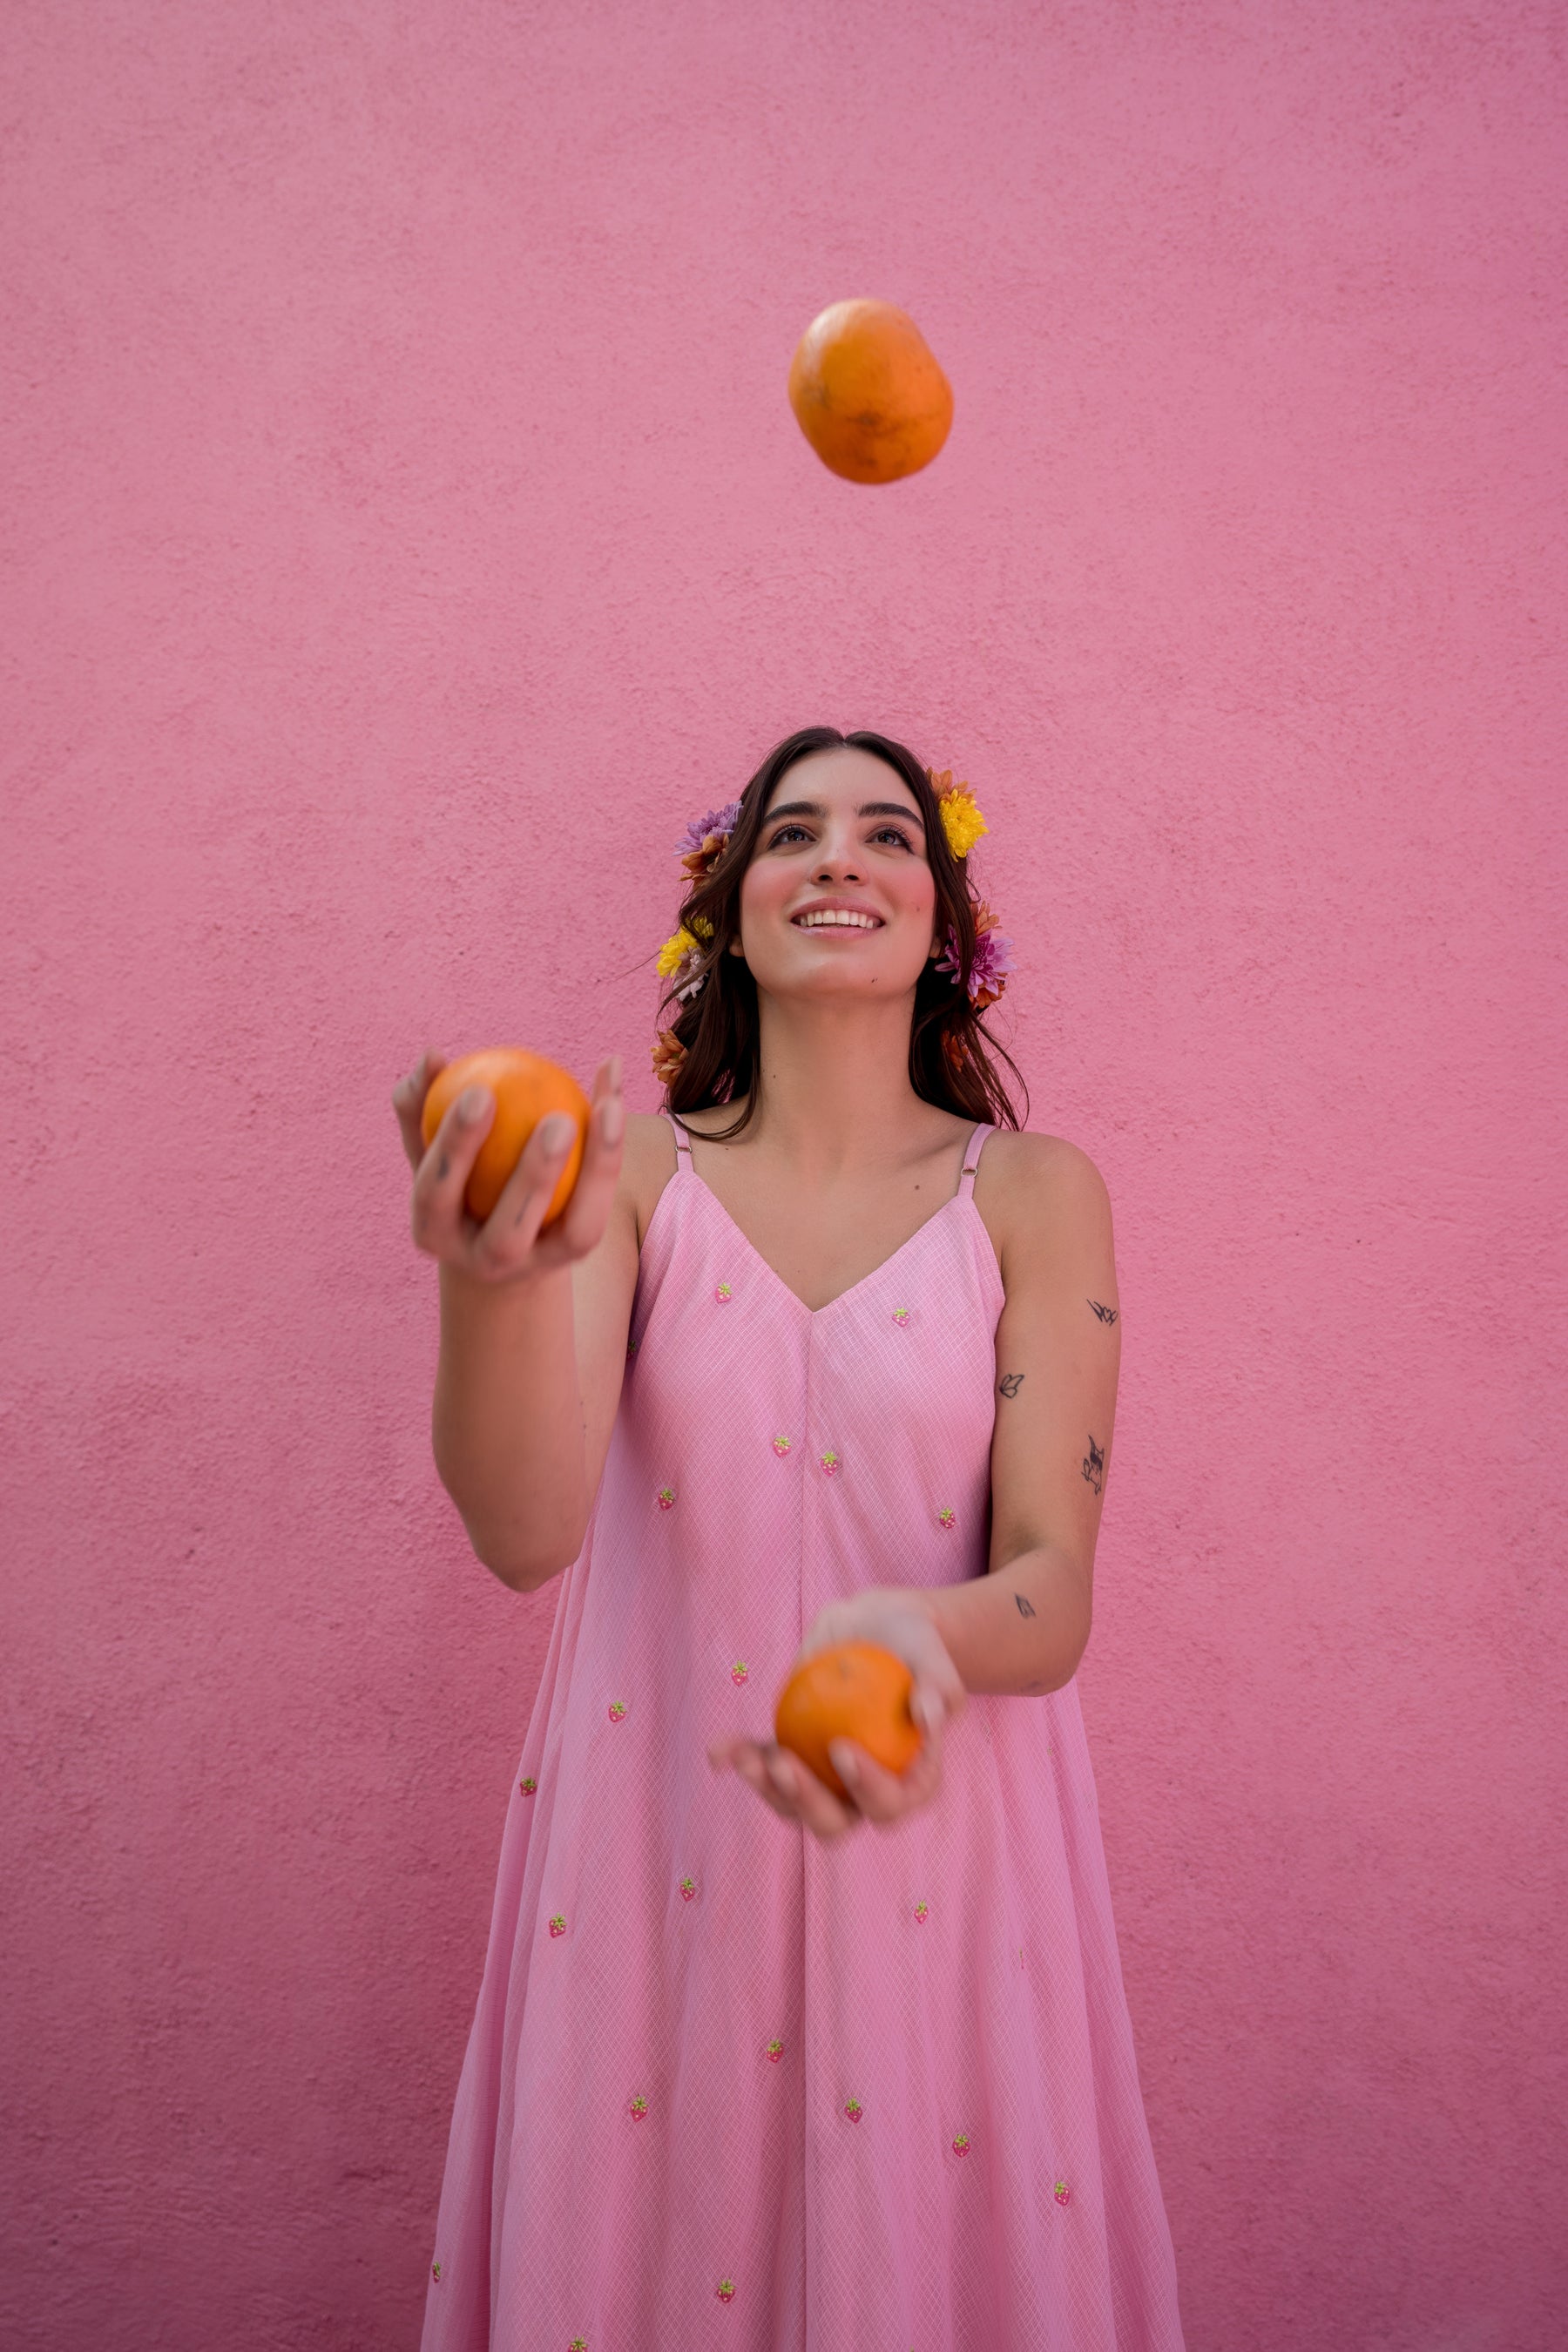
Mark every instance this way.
x=838 y=918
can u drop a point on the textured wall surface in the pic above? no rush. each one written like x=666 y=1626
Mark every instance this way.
x=406 y=530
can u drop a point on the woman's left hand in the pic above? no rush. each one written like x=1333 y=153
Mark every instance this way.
x=895 y=1620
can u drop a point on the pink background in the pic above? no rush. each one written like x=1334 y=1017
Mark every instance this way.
x=407 y=533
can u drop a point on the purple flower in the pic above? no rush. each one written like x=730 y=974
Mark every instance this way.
x=719 y=820
x=989 y=971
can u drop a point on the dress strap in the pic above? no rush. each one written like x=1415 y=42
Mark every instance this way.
x=976 y=1145
x=683 y=1146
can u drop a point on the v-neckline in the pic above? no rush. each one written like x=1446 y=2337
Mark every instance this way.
x=953 y=1201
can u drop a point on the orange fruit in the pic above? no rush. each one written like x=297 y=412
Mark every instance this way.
x=527 y=1088
x=854 y=1690
x=868 y=394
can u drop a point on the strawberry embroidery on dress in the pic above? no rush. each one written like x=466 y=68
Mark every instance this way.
x=617 y=1711
x=853 y=2110
x=636 y=2108
x=723 y=1295
x=774 y=2053
x=688 y=1890
x=947 y=1516
x=1062 y=2193
x=961 y=2143
x=578 y=2344
x=739 y=1671
x=528 y=1786
x=435 y=2273
x=900 y=1316
x=830 y=1464
x=781 y=1446
x=558 y=1925
x=725 y=2290
x=664 y=1498
x=923 y=1912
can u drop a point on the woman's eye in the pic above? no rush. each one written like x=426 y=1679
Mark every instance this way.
x=784 y=833
x=894 y=834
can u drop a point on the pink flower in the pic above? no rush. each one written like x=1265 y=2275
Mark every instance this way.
x=992 y=961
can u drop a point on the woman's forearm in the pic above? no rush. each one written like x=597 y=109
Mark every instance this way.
x=1018 y=1632
x=508 y=1422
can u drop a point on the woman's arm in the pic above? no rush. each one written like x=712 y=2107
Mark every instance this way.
x=533 y=1326
x=1024 y=1627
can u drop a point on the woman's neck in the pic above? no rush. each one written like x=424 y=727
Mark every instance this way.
x=835 y=1090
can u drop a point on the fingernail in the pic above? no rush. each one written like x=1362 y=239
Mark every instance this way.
x=612 y=1118
x=471 y=1105
x=845 y=1762
x=615 y=1073
x=554 y=1134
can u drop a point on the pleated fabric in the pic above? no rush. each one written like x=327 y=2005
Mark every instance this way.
x=726 y=2087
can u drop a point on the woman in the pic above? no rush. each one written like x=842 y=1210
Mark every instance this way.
x=830 y=1352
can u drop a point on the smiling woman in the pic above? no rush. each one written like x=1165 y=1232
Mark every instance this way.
x=819 y=1357
x=912 y=877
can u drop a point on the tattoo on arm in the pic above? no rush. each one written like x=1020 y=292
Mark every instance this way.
x=1010 y=1383
x=1106 y=1314
x=1094 y=1465
x=1025 y=1609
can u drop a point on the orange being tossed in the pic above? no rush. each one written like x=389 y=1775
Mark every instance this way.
x=527 y=1088
x=853 y=1690
x=867 y=393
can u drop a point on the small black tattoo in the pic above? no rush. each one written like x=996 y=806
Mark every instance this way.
x=441 y=1167
x=1094 y=1465
x=1106 y=1314
x=1025 y=1609
x=1010 y=1383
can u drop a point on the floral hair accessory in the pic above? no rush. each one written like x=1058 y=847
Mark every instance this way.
x=702 y=844
x=669 y=1054
x=991 y=964
x=960 y=811
x=681 y=960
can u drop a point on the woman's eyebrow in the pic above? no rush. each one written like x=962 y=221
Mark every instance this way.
x=869 y=808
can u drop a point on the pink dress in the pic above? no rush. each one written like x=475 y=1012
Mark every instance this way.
x=726 y=2087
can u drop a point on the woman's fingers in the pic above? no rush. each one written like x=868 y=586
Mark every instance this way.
x=885 y=1797
x=408 y=1101
x=587 y=1215
x=511 y=1229
x=442 y=1174
x=785 y=1785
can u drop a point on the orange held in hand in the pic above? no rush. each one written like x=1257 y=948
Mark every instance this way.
x=868 y=394
x=527 y=1088
x=854 y=1690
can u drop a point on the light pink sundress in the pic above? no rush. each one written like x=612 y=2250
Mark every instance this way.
x=726 y=2087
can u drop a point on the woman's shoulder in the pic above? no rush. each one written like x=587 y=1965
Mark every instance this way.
x=1038 y=1192
x=647 y=1163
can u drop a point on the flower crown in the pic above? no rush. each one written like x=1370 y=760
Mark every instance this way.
x=683 y=957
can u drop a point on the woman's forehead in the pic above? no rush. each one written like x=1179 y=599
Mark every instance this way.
x=844 y=777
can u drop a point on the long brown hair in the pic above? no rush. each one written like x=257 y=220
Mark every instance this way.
x=953 y=1058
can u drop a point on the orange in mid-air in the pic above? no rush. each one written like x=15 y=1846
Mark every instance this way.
x=868 y=394
x=527 y=1088
x=854 y=1690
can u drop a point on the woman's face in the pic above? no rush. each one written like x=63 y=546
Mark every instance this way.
x=839 y=899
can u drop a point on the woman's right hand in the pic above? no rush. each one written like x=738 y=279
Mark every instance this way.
x=509 y=1245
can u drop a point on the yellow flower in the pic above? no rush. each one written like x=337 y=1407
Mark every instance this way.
x=961 y=819
x=702 y=927
x=675 y=950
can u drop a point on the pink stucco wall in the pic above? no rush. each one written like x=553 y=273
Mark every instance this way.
x=407 y=532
